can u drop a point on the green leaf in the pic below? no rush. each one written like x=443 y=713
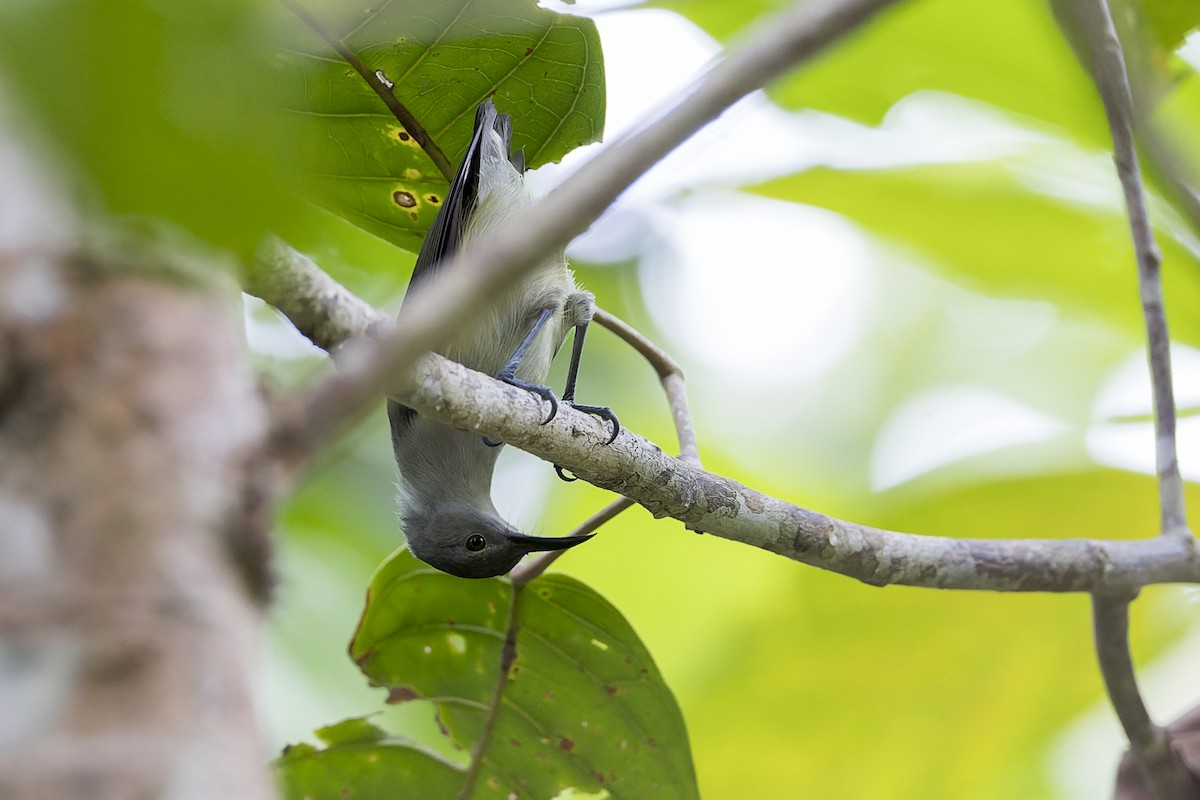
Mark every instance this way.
x=582 y=707
x=368 y=764
x=997 y=53
x=157 y=109
x=981 y=225
x=356 y=730
x=544 y=69
x=1171 y=20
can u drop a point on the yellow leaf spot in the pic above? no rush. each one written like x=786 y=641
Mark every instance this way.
x=571 y=793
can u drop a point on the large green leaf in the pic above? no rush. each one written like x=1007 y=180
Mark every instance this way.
x=362 y=761
x=156 y=108
x=1008 y=54
x=981 y=224
x=580 y=708
x=442 y=59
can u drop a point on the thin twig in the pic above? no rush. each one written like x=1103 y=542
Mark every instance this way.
x=660 y=359
x=1112 y=82
x=382 y=88
x=669 y=373
x=485 y=274
x=671 y=376
x=1163 y=772
x=532 y=567
x=685 y=431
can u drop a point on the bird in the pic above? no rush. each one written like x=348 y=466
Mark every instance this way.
x=446 y=510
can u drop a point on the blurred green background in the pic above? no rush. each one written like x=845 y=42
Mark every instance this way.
x=901 y=285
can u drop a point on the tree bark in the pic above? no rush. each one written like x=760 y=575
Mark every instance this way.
x=128 y=415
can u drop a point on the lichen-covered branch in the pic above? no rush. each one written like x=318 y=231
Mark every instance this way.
x=315 y=303
x=669 y=486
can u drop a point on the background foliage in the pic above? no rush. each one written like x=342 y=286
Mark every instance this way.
x=938 y=284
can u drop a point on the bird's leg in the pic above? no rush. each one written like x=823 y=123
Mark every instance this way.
x=508 y=374
x=603 y=412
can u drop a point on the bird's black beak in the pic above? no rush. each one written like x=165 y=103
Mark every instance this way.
x=531 y=544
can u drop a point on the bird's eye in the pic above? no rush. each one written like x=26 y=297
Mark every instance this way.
x=476 y=542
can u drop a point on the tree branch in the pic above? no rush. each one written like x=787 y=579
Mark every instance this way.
x=330 y=315
x=322 y=309
x=128 y=424
x=631 y=466
x=704 y=502
x=1112 y=82
x=484 y=274
x=1161 y=769
x=670 y=374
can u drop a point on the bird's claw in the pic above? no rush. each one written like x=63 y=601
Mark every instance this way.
x=543 y=392
x=605 y=413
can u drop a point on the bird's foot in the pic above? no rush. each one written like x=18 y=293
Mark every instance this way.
x=543 y=392
x=600 y=412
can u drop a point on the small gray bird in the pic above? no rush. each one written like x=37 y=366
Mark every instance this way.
x=445 y=474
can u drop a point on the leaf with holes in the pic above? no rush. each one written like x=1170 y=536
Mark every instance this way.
x=580 y=711
x=361 y=760
x=545 y=69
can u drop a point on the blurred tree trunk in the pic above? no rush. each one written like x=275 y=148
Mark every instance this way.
x=128 y=421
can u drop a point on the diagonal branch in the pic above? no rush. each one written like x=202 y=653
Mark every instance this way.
x=710 y=503
x=641 y=471
x=322 y=309
x=670 y=374
x=330 y=315
x=535 y=565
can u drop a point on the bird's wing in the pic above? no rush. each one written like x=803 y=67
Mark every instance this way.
x=445 y=235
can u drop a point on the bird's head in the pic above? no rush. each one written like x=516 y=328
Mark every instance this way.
x=474 y=543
